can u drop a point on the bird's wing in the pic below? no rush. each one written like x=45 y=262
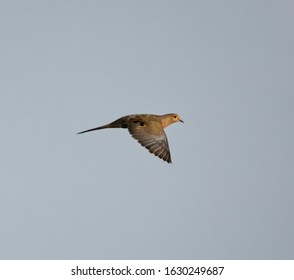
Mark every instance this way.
x=150 y=135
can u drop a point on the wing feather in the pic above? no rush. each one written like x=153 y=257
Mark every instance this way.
x=150 y=134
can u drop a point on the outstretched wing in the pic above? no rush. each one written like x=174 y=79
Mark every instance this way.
x=150 y=134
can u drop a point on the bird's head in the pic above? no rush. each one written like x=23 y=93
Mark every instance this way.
x=169 y=119
x=176 y=118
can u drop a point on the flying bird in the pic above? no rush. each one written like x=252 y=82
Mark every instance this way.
x=148 y=130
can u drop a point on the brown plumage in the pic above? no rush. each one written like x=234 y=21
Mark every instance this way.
x=148 y=130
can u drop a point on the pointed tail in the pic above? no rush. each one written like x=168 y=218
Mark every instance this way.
x=96 y=128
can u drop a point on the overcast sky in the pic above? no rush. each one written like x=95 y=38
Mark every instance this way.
x=226 y=67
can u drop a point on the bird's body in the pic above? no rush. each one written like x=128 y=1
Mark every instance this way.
x=148 y=130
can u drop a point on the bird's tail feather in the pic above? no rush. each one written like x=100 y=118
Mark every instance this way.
x=96 y=128
x=119 y=123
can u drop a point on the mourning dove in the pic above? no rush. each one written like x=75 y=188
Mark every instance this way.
x=148 y=130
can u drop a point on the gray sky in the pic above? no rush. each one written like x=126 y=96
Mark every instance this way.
x=225 y=66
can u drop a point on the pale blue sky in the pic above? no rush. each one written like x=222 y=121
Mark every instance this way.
x=225 y=66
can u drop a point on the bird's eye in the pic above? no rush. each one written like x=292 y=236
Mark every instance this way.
x=175 y=117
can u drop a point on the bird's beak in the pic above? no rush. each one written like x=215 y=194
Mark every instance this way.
x=181 y=121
